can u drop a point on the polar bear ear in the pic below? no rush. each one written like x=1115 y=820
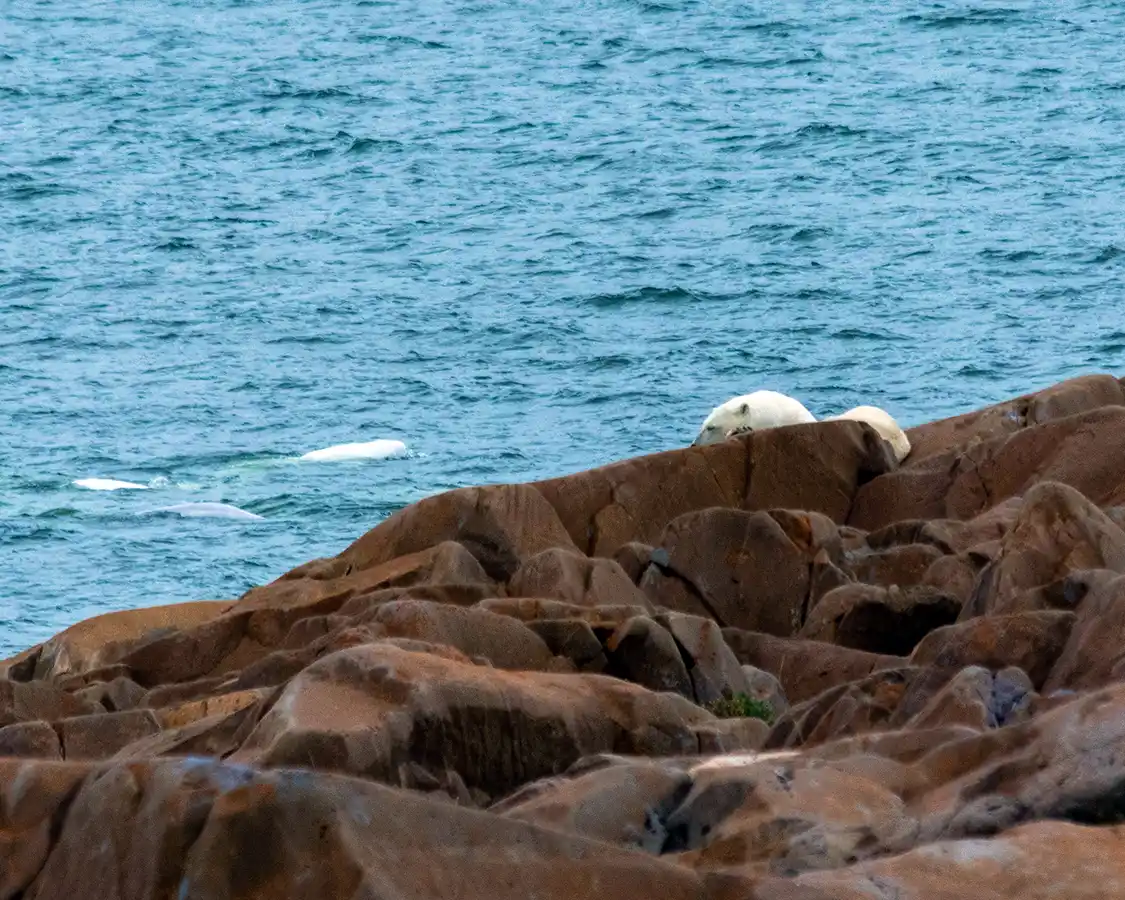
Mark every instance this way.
x=744 y=409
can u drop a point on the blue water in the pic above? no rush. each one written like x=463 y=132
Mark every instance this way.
x=523 y=238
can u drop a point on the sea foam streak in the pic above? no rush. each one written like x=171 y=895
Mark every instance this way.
x=209 y=510
x=108 y=484
x=381 y=449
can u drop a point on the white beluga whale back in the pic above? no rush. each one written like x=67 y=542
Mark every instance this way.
x=209 y=511
x=752 y=412
x=380 y=449
x=109 y=484
x=882 y=422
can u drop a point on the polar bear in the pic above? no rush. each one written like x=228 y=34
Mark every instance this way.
x=882 y=422
x=751 y=412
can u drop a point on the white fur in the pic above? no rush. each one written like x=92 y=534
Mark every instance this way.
x=109 y=484
x=752 y=412
x=882 y=422
x=381 y=449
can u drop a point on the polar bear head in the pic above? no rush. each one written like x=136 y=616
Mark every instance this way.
x=751 y=412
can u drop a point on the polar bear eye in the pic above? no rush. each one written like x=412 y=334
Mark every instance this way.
x=711 y=427
x=744 y=409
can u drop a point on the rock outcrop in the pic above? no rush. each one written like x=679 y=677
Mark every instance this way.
x=781 y=666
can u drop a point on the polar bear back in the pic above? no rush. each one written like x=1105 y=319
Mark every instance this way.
x=884 y=423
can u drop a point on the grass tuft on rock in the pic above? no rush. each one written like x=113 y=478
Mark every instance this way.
x=741 y=706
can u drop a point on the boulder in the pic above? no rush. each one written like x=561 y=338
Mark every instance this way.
x=101 y=736
x=888 y=621
x=713 y=668
x=905 y=565
x=1093 y=654
x=978 y=698
x=631 y=501
x=27 y=702
x=643 y=652
x=502 y=640
x=805 y=668
x=30 y=740
x=1058 y=531
x=1043 y=861
x=1031 y=641
x=565 y=575
x=500 y=525
x=736 y=567
x=625 y=804
x=103 y=640
x=367 y=709
x=211 y=831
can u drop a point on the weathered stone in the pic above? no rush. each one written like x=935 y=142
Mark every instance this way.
x=1032 y=641
x=888 y=621
x=565 y=575
x=30 y=740
x=621 y=804
x=712 y=666
x=737 y=567
x=500 y=525
x=805 y=668
x=573 y=639
x=1057 y=531
x=904 y=566
x=101 y=736
x=643 y=652
x=367 y=709
x=502 y=640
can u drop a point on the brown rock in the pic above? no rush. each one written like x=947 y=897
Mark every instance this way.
x=643 y=652
x=187 y=653
x=624 y=804
x=980 y=699
x=116 y=696
x=954 y=575
x=847 y=709
x=30 y=740
x=1031 y=641
x=1078 y=395
x=713 y=668
x=34 y=700
x=737 y=567
x=225 y=832
x=1058 y=531
x=502 y=640
x=1043 y=861
x=566 y=575
x=279 y=607
x=528 y=609
x=103 y=640
x=500 y=525
x=370 y=708
x=101 y=736
x=33 y=803
x=887 y=621
x=805 y=668
x=631 y=501
x=836 y=458
x=904 y=565
x=753 y=817
x=1093 y=655
x=634 y=557
x=573 y=639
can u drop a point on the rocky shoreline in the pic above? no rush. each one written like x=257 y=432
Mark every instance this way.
x=782 y=667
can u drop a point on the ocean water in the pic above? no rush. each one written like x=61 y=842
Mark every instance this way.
x=523 y=239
